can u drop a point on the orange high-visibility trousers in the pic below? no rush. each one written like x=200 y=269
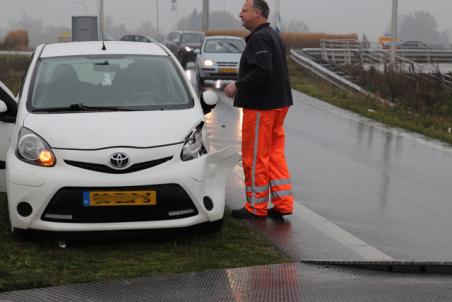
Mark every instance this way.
x=264 y=162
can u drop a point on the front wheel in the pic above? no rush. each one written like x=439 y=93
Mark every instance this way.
x=214 y=226
x=200 y=80
x=184 y=62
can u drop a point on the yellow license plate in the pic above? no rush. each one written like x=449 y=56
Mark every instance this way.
x=119 y=198
x=228 y=70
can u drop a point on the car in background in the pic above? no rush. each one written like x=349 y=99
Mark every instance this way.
x=137 y=38
x=406 y=45
x=219 y=58
x=413 y=45
x=440 y=46
x=183 y=45
x=103 y=139
x=388 y=45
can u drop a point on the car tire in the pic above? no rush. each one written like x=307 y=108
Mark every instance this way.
x=184 y=62
x=200 y=80
x=18 y=234
x=214 y=226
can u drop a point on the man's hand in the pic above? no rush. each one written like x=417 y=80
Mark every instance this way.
x=230 y=90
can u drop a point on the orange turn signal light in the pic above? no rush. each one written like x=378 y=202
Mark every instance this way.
x=46 y=158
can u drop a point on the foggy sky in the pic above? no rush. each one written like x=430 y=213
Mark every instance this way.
x=371 y=17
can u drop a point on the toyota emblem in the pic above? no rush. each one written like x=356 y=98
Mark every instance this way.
x=119 y=161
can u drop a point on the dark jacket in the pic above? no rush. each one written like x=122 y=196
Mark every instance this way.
x=263 y=81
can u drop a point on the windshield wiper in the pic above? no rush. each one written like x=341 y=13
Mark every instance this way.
x=82 y=107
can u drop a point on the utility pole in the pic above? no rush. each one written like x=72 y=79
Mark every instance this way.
x=277 y=16
x=175 y=9
x=157 y=17
x=395 y=4
x=205 y=15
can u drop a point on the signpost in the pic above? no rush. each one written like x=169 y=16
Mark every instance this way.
x=394 y=32
x=157 y=16
x=205 y=15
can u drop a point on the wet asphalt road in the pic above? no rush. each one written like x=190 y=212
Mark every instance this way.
x=387 y=189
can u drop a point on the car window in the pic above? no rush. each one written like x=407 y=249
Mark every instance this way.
x=192 y=37
x=143 y=82
x=128 y=38
x=142 y=39
x=224 y=46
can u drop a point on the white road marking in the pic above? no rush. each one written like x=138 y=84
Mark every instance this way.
x=349 y=240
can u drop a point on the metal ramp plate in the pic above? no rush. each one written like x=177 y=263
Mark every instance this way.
x=283 y=282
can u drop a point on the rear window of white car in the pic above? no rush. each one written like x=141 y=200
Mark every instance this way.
x=224 y=46
x=127 y=82
x=192 y=37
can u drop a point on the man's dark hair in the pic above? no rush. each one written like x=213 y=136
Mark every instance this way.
x=262 y=5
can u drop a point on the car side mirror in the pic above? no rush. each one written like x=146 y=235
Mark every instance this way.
x=209 y=100
x=197 y=51
x=3 y=107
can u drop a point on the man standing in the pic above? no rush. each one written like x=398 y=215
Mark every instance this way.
x=263 y=91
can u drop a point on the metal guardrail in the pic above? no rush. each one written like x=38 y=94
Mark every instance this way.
x=416 y=61
x=324 y=73
x=345 y=52
x=429 y=72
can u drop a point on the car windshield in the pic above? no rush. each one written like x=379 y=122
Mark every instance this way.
x=115 y=82
x=224 y=46
x=192 y=37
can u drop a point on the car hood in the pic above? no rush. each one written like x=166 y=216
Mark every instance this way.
x=223 y=57
x=95 y=130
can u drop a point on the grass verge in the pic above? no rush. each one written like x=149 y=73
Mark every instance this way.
x=37 y=261
x=12 y=69
x=429 y=125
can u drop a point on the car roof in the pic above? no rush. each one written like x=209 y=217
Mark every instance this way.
x=133 y=35
x=95 y=48
x=189 y=32
x=223 y=37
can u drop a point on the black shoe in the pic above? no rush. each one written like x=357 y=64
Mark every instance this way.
x=272 y=213
x=244 y=214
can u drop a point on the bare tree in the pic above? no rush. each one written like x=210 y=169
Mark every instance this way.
x=217 y=20
x=294 y=26
x=38 y=33
x=422 y=26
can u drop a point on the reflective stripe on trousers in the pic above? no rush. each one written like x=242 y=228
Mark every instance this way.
x=264 y=163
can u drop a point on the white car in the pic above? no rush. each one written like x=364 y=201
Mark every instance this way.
x=219 y=58
x=109 y=140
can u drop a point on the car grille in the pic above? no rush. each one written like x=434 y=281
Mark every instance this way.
x=227 y=64
x=107 y=169
x=67 y=206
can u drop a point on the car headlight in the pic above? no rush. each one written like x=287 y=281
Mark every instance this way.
x=33 y=149
x=193 y=144
x=188 y=48
x=208 y=63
